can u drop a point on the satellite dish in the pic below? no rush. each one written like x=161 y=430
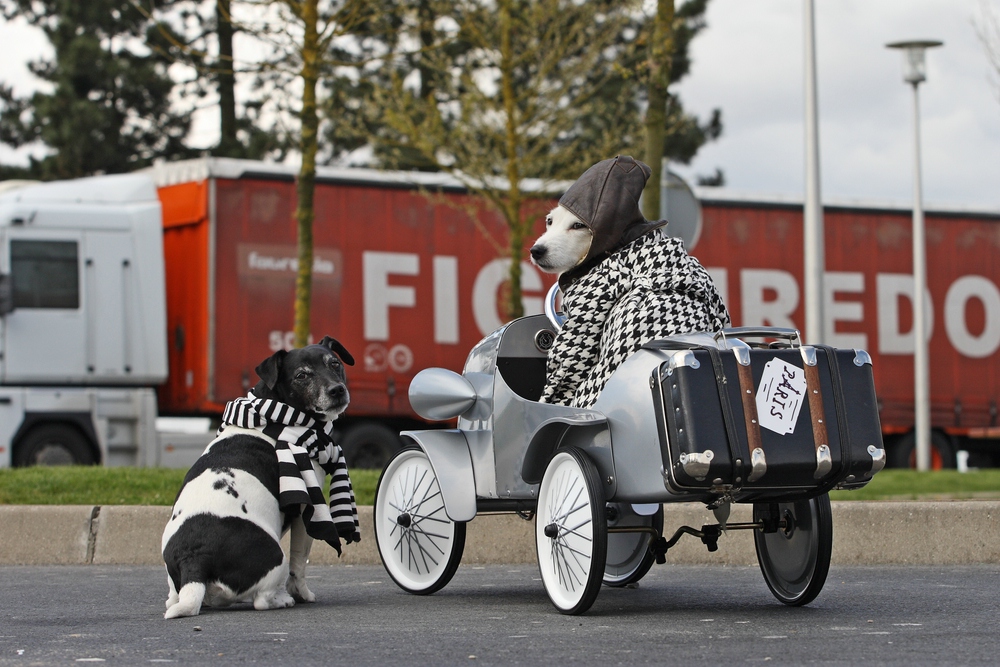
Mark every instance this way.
x=681 y=209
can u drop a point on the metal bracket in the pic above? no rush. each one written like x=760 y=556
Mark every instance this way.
x=878 y=460
x=758 y=464
x=824 y=462
x=696 y=465
x=683 y=358
x=741 y=350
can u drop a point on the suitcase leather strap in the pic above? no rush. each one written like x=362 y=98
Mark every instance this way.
x=824 y=460
x=727 y=416
x=758 y=462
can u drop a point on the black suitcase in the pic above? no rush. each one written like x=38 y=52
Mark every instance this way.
x=774 y=420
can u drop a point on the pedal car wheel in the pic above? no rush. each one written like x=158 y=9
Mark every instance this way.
x=629 y=557
x=796 y=559
x=571 y=531
x=419 y=545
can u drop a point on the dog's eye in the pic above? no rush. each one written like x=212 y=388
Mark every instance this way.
x=578 y=225
x=548 y=222
x=302 y=375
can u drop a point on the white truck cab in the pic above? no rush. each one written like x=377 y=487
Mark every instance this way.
x=82 y=321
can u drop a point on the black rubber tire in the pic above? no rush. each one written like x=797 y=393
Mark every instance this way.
x=52 y=445
x=903 y=452
x=369 y=445
x=795 y=561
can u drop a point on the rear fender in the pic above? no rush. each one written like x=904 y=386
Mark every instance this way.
x=587 y=430
x=448 y=453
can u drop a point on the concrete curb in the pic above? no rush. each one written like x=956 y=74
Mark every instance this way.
x=865 y=533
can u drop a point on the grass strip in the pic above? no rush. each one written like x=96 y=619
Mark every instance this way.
x=897 y=484
x=91 y=485
x=158 y=486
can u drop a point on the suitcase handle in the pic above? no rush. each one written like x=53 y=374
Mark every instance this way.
x=791 y=335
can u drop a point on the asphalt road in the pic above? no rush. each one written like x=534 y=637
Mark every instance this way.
x=500 y=615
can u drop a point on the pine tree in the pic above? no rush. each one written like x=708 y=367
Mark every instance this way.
x=109 y=109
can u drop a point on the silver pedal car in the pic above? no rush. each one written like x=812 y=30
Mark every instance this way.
x=668 y=427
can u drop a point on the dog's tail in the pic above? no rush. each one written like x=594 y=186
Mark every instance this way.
x=190 y=597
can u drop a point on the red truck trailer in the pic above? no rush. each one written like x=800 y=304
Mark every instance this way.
x=409 y=273
x=754 y=248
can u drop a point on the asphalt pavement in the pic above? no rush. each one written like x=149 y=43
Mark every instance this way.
x=500 y=615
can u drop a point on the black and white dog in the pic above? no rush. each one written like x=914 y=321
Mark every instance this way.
x=222 y=543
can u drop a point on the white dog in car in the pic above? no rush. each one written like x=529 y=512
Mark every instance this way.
x=623 y=282
x=564 y=244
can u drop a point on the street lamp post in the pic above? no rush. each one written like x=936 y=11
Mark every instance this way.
x=812 y=218
x=914 y=72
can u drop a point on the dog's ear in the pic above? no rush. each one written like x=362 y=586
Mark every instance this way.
x=270 y=368
x=334 y=346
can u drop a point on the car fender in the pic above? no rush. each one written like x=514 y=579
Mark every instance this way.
x=579 y=429
x=449 y=456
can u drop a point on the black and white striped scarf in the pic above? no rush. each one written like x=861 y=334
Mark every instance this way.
x=649 y=289
x=298 y=441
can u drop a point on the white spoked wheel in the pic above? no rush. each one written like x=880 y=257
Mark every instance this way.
x=571 y=531
x=419 y=545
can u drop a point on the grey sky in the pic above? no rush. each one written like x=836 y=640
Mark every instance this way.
x=749 y=63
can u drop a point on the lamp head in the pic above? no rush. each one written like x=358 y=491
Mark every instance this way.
x=914 y=66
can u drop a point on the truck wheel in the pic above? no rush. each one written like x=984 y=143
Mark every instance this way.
x=369 y=445
x=903 y=453
x=53 y=445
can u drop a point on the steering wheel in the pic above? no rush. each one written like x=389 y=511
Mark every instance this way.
x=555 y=316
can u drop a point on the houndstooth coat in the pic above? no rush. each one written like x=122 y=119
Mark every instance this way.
x=648 y=289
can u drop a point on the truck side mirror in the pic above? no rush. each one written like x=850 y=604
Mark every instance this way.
x=6 y=295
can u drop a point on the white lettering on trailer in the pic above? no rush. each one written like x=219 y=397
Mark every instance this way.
x=889 y=287
x=843 y=311
x=446 y=299
x=484 y=293
x=284 y=340
x=379 y=295
x=959 y=294
x=770 y=297
x=777 y=312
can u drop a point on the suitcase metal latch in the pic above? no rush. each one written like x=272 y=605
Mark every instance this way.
x=824 y=461
x=696 y=464
x=758 y=464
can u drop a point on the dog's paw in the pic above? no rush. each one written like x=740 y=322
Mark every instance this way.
x=299 y=591
x=187 y=602
x=273 y=600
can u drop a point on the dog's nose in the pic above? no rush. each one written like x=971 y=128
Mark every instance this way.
x=337 y=391
x=537 y=251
